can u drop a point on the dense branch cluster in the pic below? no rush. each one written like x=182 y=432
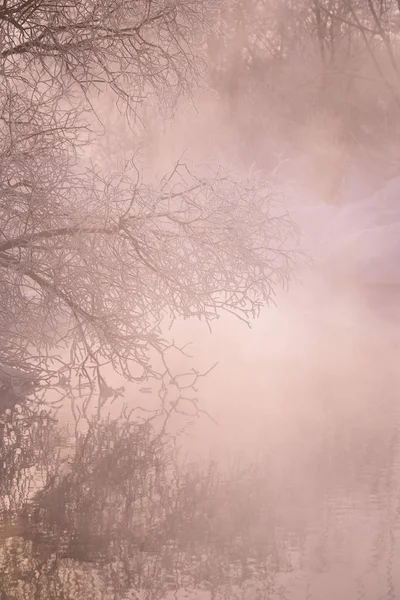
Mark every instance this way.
x=101 y=261
x=91 y=262
x=133 y=47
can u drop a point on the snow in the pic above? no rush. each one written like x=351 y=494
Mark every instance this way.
x=367 y=233
x=357 y=245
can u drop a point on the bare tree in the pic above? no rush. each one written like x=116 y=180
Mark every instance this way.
x=130 y=46
x=324 y=63
x=92 y=264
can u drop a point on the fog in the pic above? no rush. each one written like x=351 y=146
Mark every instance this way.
x=216 y=413
x=311 y=389
x=327 y=333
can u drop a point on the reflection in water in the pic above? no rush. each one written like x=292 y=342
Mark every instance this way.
x=115 y=511
x=311 y=511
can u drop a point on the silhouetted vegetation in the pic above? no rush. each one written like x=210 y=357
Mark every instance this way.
x=97 y=262
x=312 y=77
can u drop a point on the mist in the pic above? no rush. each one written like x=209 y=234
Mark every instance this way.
x=310 y=390
x=200 y=250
